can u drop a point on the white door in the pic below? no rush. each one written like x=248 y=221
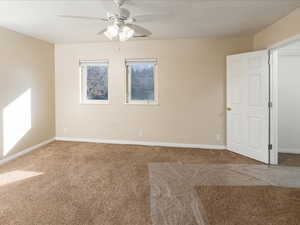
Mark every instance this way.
x=248 y=104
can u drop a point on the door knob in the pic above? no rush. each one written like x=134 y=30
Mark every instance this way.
x=229 y=109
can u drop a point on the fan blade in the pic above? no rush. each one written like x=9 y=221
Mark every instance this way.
x=101 y=32
x=153 y=17
x=139 y=30
x=83 y=17
x=140 y=36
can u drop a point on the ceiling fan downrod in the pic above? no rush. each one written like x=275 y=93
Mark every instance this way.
x=118 y=3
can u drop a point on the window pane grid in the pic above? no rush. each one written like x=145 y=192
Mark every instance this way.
x=97 y=82
x=141 y=82
x=94 y=81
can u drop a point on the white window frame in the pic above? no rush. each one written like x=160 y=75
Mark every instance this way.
x=83 y=81
x=128 y=99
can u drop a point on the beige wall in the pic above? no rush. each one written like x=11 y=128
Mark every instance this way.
x=286 y=28
x=191 y=78
x=191 y=87
x=26 y=64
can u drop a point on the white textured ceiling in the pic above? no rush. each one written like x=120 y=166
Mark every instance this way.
x=166 y=18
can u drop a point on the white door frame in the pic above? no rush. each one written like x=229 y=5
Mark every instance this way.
x=273 y=135
x=273 y=50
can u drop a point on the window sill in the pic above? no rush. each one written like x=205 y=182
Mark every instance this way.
x=142 y=104
x=95 y=102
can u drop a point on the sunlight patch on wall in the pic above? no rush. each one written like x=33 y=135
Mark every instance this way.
x=16 y=121
x=16 y=175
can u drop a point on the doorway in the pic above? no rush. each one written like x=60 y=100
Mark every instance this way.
x=263 y=103
x=285 y=95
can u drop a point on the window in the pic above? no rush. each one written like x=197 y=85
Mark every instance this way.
x=94 y=82
x=141 y=82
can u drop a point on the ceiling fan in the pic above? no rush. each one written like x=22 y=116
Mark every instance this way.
x=120 y=26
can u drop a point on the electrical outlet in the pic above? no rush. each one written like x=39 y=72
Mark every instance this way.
x=218 y=137
x=65 y=130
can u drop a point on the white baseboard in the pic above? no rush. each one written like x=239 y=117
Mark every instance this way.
x=289 y=150
x=25 y=151
x=162 y=144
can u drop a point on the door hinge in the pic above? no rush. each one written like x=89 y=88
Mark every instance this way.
x=269 y=58
x=270 y=147
x=270 y=104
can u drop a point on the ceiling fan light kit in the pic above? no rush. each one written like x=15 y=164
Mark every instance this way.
x=120 y=25
x=112 y=32
x=126 y=33
x=117 y=32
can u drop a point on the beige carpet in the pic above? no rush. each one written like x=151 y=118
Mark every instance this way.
x=67 y=183
x=224 y=194
x=287 y=159
x=253 y=205
x=89 y=184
